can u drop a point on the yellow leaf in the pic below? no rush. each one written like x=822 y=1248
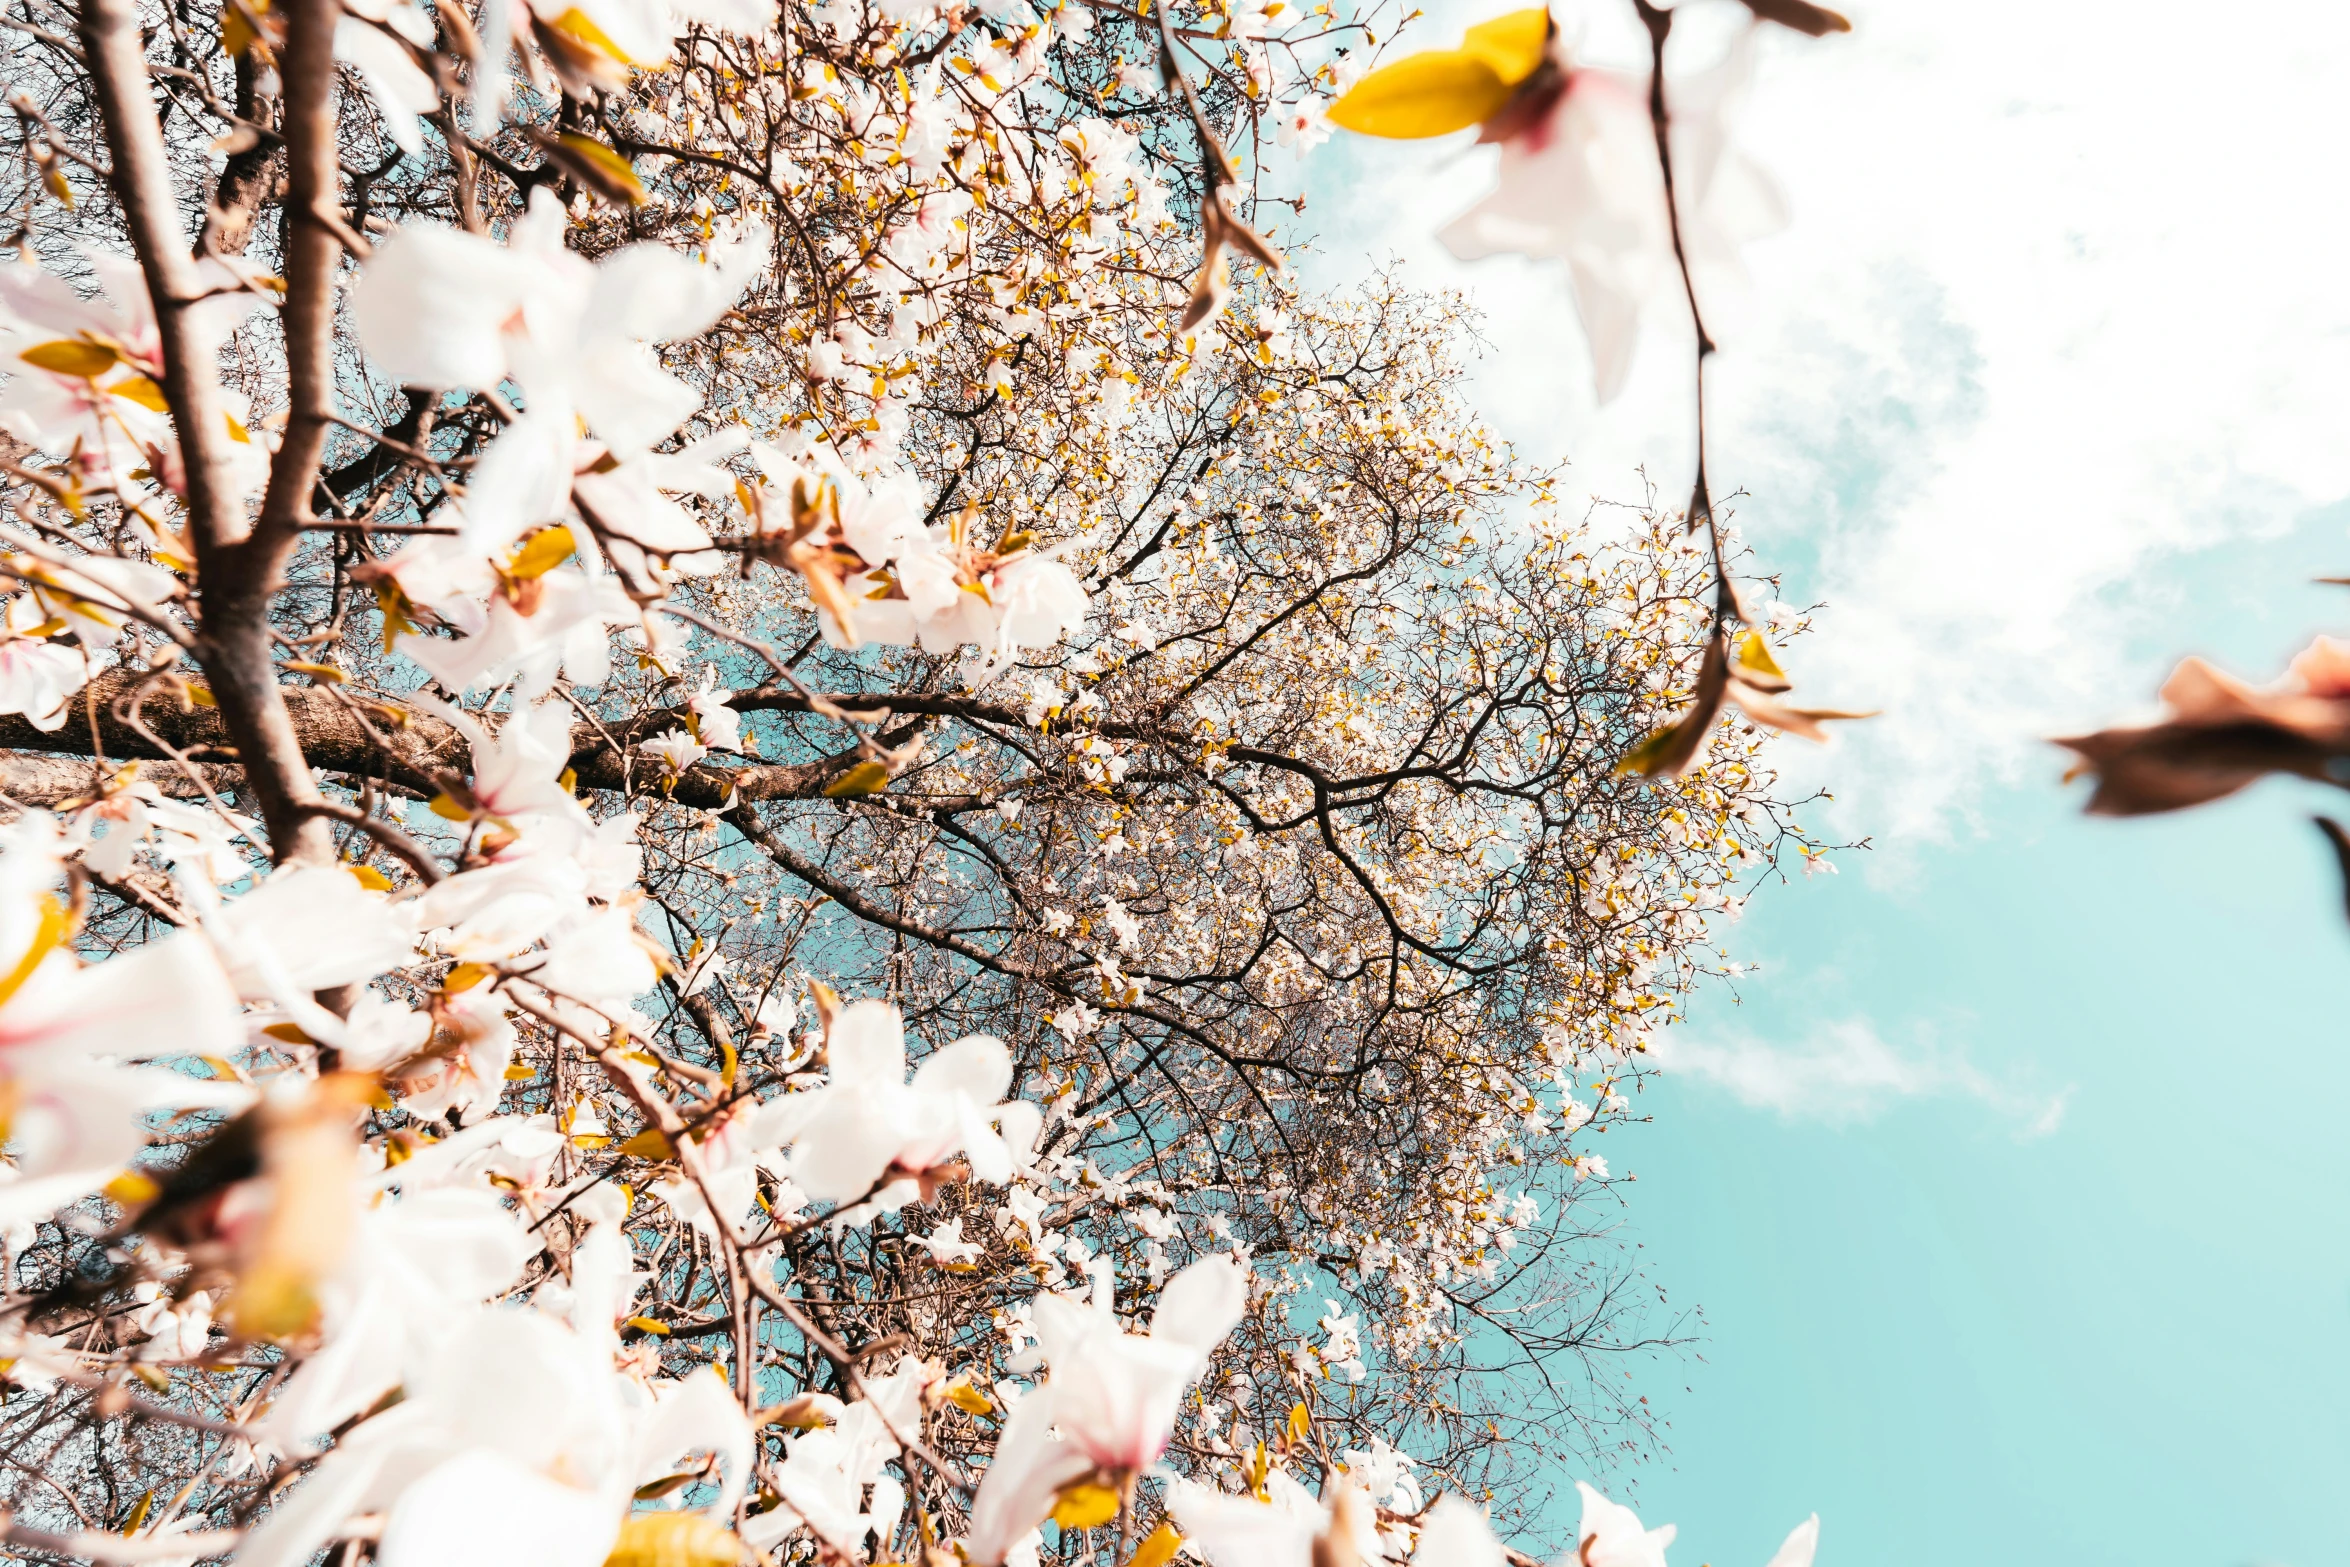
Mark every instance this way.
x=1159 y=1549
x=445 y=806
x=652 y=1325
x=803 y=1413
x=369 y=877
x=291 y=1033
x=71 y=356
x=131 y=1188
x=967 y=1398
x=1085 y=1505
x=520 y=1073
x=578 y=25
x=864 y=778
x=201 y=695
x=141 y=390
x=649 y=1144
x=1645 y=757
x=236 y=34
x=395 y=606
x=675 y=1539
x=324 y=674
x=49 y=933
x=595 y=165
x=464 y=977
x=1301 y=1423
x=139 y=1513
x=1755 y=654
x=1431 y=94
x=541 y=553
x=1513 y=44
x=54 y=178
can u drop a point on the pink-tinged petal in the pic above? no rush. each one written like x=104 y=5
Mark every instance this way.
x=979 y=1068
x=1201 y=1304
x=1020 y=1486
x=867 y=1044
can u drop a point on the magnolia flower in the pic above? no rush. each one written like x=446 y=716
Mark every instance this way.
x=75 y=1115
x=1109 y=1407
x=400 y=87
x=468 y=1078
x=414 y=1269
x=1579 y=177
x=38 y=678
x=517 y=772
x=1611 y=1535
x=868 y=1122
x=823 y=1483
x=441 y=308
x=83 y=373
x=675 y=751
x=717 y=726
x=1289 y=1528
x=595 y=43
x=516 y=1442
x=947 y=1246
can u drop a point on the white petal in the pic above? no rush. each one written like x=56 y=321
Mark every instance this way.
x=1201 y=1304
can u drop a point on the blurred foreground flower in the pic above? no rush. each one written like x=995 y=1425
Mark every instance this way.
x=2223 y=734
x=1580 y=178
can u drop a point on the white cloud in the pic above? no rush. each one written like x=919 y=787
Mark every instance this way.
x=2062 y=302
x=1846 y=1071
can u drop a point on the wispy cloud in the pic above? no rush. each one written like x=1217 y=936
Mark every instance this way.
x=1846 y=1071
x=2046 y=322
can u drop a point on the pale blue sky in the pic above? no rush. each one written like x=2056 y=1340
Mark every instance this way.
x=2043 y=387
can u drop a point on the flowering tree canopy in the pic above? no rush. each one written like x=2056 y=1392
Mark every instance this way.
x=761 y=808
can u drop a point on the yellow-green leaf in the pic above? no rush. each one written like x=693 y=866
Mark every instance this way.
x=131 y=1188
x=596 y=166
x=1431 y=94
x=49 y=933
x=864 y=778
x=649 y=1144
x=675 y=1539
x=141 y=390
x=71 y=356
x=1513 y=45
x=541 y=553
x=1085 y=1505
x=1159 y=1549
x=577 y=25
x=1755 y=654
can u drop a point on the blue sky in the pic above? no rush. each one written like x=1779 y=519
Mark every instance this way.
x=2009 y=1185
